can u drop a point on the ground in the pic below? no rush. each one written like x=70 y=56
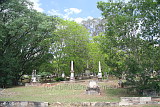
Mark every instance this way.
x=60 y=92
x=65 y=93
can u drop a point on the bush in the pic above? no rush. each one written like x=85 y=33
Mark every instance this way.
x=59 y=79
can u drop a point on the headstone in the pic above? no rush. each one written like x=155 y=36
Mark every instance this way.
x=63 y=75
x=34 y=78
x=72 y=78
x=100 y=72
x=93 y=88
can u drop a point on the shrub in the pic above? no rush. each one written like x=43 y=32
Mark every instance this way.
x=59 y=79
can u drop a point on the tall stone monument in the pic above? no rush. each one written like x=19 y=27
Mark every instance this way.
x=34 y=78
x=87 y=71
x=72 y=78
x=100 y=72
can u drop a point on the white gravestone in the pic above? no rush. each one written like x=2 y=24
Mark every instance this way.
x=34 y=78
x=63 y=75
x=93 y=84
x=72 y=78
x=93 y=88
x=99 y=72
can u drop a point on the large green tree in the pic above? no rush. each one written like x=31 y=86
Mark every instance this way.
x=132 y=30
x=95 y=55
x=25 y=39
x=71 y=44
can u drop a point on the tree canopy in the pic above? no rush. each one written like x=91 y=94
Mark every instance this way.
x=25 y=39
x=126 y=41
x=132 y=31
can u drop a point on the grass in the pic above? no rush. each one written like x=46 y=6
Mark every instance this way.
x=66 y=93
x=63 y=92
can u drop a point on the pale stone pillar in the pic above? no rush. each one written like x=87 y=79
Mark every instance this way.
x=34 y=78
x=72 y=78
x=63 y=75
x=99 y=72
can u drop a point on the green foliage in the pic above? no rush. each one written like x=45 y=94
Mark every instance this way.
x=131 y=33
x=59 y=79
x=96 y=55
x=72 y=41
x=44 y=74
x=28 y=41
x=25 y=39
x=46 y=67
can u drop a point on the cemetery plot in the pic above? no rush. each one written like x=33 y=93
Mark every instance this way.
x=62 y=92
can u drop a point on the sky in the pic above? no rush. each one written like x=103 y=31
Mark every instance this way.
x=76 y=10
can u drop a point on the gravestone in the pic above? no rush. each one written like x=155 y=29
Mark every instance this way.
x=63 y=75
x=72 y=78
x=34 y=78
x=100 y=72
x=93 y=88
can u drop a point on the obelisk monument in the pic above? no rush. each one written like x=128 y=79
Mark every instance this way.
x=99 y=72
x=72 y=78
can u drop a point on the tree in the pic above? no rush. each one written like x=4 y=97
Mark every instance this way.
x=71 y=44
x=96 y=55
x=132 y=29
x=96 y=28
x=25 y=39
x=95 y=25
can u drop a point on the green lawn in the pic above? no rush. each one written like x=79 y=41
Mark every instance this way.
x=66 y=93
x=63 y=92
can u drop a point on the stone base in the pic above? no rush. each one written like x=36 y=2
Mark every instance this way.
x=93 y=91
x=125 y=101
x=23 y=104
x=72 y=79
